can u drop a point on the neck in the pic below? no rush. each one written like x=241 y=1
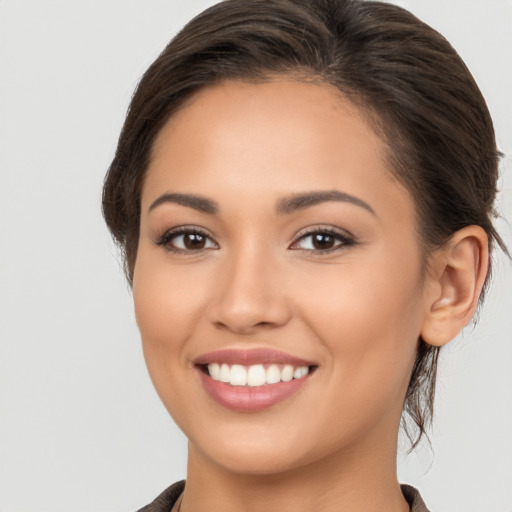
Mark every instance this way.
x=359 y=481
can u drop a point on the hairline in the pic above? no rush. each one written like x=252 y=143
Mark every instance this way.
x=374 y=120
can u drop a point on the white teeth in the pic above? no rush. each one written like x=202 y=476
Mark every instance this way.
x=287 y=373
x=214 y=370
x=224 y=373
x=255 y=375
x=273 y=374
x=300 y=372
x=238 y=375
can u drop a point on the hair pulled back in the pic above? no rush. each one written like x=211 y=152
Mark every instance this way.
x=417 y=92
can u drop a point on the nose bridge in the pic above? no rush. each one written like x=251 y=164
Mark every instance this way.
x=250 y=294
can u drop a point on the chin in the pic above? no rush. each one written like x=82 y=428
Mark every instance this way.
x=252 y=459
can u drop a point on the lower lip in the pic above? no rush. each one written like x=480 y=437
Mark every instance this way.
x=247 y=398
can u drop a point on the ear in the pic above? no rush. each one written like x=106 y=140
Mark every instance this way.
x=456 y=276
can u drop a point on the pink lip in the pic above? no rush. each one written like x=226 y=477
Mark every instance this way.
x=249 y=357
x=246 y=398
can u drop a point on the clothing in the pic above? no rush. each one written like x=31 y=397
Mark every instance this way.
x=414 y=499
x=168 y=498
x=165 y=501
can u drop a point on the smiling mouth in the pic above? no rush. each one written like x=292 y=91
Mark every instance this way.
x=252 y=380
x=255 y=375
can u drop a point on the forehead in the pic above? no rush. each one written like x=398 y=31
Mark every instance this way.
x=284 y=105
x=281 y=135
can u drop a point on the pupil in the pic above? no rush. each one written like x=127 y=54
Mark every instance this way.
x=323 y=241
x=194 y=241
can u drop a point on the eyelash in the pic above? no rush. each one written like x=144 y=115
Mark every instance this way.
x=342 y=240
x=166 y=239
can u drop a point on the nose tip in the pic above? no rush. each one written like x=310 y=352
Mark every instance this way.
x=244 y=322
x=249 y=299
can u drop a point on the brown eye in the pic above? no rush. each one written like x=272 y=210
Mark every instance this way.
x=323 y=241
x=186 y=241
x=194 y=241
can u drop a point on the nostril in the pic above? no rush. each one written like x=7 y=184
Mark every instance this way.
x=264 y=324
x=242 y=326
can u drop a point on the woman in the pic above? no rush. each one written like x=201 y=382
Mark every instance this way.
x=304 y=194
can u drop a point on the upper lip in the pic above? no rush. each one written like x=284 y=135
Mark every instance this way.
x=251 y=357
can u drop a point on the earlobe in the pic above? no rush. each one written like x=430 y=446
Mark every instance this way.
x=458 y=274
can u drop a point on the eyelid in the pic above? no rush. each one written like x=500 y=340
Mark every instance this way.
x=165 y=239
x=343 y=236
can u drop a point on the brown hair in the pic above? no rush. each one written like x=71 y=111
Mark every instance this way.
x=420 y=96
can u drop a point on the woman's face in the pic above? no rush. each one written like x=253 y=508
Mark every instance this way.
x=274 y=241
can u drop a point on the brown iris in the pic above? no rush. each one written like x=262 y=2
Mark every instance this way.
x=194 y=241
x=323 y=241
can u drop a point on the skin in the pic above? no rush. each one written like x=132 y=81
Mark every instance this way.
x=356 y=310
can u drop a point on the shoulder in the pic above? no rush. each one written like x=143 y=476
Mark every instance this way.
x=414 y=499
x=165 y=501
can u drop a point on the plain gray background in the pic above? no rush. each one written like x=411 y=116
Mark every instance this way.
x=79 y=420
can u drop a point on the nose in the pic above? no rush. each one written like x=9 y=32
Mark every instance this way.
x=250 y=295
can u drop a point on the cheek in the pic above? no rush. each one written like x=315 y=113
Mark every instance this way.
x=370 y=336
x=368 y=316
x=167 y=298
x=168 y=307
x=377 y=292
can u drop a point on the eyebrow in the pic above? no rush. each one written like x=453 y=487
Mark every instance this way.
x=285 y=206
x=199 y=203
x=307 y=199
